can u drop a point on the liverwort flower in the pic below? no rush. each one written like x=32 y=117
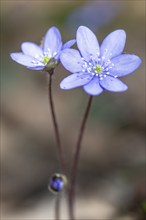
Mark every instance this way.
x=45 y=56
x=97 y=68
x=103 y=12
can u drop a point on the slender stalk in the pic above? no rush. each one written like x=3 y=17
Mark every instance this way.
x=58 y=141
x=57 y=135
x=75 y=164
x=57 y=208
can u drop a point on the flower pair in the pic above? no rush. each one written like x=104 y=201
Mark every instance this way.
x=94 y=67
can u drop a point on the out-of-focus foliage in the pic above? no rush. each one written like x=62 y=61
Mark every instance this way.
x=111 y=180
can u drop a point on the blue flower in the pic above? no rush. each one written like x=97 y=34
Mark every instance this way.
x=37 y=57
x=57 y=183
x=97 y=68
x=103 y=12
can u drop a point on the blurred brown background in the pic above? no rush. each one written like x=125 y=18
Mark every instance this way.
x=111 y=179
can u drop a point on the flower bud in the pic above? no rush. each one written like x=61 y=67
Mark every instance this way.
x=57 y=183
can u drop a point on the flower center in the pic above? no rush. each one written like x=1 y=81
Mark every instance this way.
x=98 y=69
x=97 y=66
x=46 y=59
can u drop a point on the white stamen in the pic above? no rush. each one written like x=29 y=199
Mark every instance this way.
x=54 y=54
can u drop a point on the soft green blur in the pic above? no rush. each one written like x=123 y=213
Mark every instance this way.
x=111 y=178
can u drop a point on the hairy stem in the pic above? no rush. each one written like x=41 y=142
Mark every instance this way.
x=74 y=168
